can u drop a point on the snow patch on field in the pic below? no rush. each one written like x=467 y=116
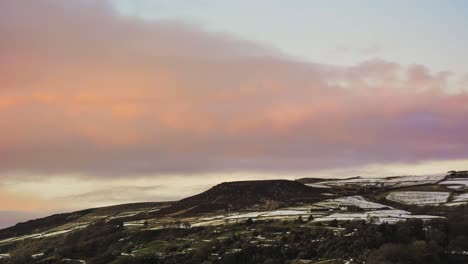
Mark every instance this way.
x=318 y=185
x=13 y=239
x=419 y=198
x=455 y=183
x=389 y=182
x=209 y=223
x=285 y=213
x=135 y=223
x=356 y=200
x=268 y=214
x=377 y=217
x=460 y=198
x=49 y=233
x=246 y=215
x=373 y=212
x=455 y=203
x=216 y=217
x=63 y=231
x=74 y=260
x=38 y=255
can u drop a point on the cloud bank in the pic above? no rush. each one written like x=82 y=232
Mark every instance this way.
x=86 y=90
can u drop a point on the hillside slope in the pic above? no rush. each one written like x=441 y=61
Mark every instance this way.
x=84 y=216
x=218 y=224
x=245 y=195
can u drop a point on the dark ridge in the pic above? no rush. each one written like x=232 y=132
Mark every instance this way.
x=244 y=195
x=458 y=174
x=314 y=180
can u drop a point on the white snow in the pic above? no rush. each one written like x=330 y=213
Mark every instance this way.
x=455 y=203
x=210 y=223
x=379 y=216
x=460 y=198
x=79 y=260
x=246 y=215
x=318 y=185
x=136 y=223
x=12 y=239
x=49 y=233
x=37 y=255
x=55 y=233
x=60 y=232
x=454 y=187
x=419 y=197
x=356 y=200
x=455 y=183
x=216 y=217
x=267 y=214
x=375 y=212
x=392 y=182
x=285 y=213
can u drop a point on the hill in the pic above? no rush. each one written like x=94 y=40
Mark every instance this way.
x=352 y=220
x=57 y=220
x=245 y=195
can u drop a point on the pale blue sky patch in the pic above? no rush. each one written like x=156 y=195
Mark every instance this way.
x=431 y=32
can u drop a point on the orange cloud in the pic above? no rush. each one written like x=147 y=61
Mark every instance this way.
x=14 y=202
x=90 y=90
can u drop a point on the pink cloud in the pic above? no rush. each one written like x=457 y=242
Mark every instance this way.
x=89 y=90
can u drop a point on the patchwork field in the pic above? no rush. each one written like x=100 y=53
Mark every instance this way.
x=388 y=182
x=456 y=183
x=419 y=198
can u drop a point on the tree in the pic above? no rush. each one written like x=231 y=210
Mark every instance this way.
x=202 y=253
x=299 y=219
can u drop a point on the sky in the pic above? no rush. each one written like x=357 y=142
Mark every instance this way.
x=108 y=102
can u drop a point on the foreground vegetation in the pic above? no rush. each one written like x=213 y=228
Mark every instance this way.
x=299 y=241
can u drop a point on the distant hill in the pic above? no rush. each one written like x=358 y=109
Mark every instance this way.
x=49 y=222
x=41 y=224
x=245 y=195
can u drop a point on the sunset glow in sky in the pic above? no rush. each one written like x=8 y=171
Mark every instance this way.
x=107 y=102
